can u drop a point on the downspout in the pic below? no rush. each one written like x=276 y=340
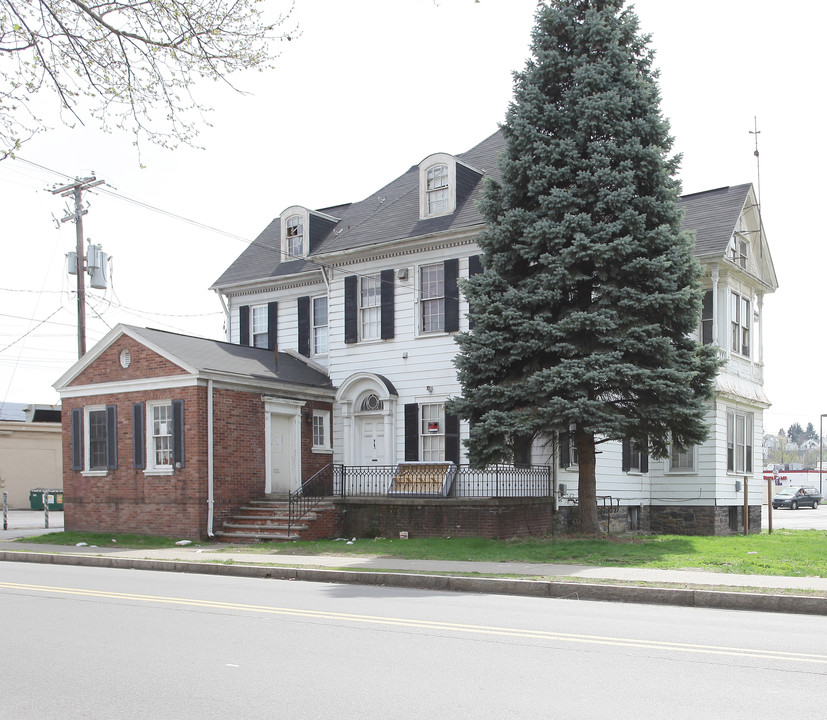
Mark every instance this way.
x=227 y=323
x=210 y=461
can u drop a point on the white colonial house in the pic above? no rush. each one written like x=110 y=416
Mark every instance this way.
x=367 y=293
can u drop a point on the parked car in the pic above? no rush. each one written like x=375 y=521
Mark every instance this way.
x=793 y=497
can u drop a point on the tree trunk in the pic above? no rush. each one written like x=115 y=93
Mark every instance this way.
x=587 y=483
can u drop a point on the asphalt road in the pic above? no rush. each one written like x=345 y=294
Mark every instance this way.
x=100 y=643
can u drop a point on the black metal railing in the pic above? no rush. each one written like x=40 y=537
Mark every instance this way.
x=501 y=481
x=498 y=481
x=311 y=493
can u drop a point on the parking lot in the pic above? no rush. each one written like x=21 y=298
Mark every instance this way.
x=801 y=519
x=24 y=523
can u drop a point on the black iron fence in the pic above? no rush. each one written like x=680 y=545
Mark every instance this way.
x=419 y=480
x=496 y=481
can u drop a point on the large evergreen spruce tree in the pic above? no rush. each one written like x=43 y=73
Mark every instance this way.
x=583 y=314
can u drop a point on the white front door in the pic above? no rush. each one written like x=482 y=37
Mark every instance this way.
x=372 y=440
x=281 y=453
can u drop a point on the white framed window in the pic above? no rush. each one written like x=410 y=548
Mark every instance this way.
x=432 y=431
x=740 y=322
x=319 y=325
x=372 y=403
x=321 y=430
x=159 y=436
x=739 y=439
x=96 y=438
x=294 y=229
x=635 y=459
x=370 y=307
x=259 y=326
x=437 y=192
x=682 y=461
x=738 y=250
x=437 y=185
x=432 y=297
x=568 y=448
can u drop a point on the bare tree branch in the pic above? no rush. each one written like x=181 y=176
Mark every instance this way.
x=118 y=62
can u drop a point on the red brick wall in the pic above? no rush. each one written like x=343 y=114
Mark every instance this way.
x=312 y=462
x=466 y=517
x=126 y=499
x=144 y=364
x=239 y=451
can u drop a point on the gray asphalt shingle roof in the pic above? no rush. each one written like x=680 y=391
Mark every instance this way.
x=392 y=214
x=713 y=215
x=207 y=355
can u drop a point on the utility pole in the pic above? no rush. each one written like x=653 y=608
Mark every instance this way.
x=76 y=189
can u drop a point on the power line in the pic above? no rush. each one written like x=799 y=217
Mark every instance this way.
x=283 y=256
x=14 y=342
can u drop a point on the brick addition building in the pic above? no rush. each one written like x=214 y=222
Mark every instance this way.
x=169 y=434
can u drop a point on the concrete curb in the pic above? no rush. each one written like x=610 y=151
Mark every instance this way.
x=718 y=599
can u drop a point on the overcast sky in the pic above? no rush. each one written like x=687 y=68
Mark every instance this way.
x=366 y=91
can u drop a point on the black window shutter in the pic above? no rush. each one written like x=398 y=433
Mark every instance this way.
x=474 y=265
x=451 y=270
x=565 y=449
x=411 y=432
x=351 y=309
x=138 y=436
x=474 y=268
x=387 y=321
x=626 y=455
x=304 y=325
x=706 y=319
x=644 y=461
x=77 y=439
x=272 y=325
x=243 y=324
x=452 y=438
x=178 y=433
x=112 y=437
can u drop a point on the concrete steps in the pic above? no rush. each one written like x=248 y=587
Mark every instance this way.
x=266 y=520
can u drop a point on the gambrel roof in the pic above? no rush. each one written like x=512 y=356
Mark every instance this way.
x=392 y=214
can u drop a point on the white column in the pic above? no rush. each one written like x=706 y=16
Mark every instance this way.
x=761 y=329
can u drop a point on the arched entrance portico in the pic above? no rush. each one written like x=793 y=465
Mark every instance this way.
x=368 y=407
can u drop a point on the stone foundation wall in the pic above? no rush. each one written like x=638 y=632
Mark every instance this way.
x=664 y=520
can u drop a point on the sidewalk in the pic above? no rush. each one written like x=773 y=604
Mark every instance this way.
x=683 y=587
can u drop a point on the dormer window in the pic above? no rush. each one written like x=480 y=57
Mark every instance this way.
x=437 y=185
x=436 y=190
x=294 y=232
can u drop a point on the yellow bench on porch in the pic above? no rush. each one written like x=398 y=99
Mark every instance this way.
x=422 y=478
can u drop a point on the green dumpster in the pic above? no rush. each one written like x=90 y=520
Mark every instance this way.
x=54 y=498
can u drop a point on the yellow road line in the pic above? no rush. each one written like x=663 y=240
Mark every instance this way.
x=429 y=624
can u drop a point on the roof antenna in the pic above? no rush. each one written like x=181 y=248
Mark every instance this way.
x=758 y=181
x=756 y=132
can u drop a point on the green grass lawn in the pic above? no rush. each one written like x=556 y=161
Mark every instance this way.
x=127 y=542
x=784 y=552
